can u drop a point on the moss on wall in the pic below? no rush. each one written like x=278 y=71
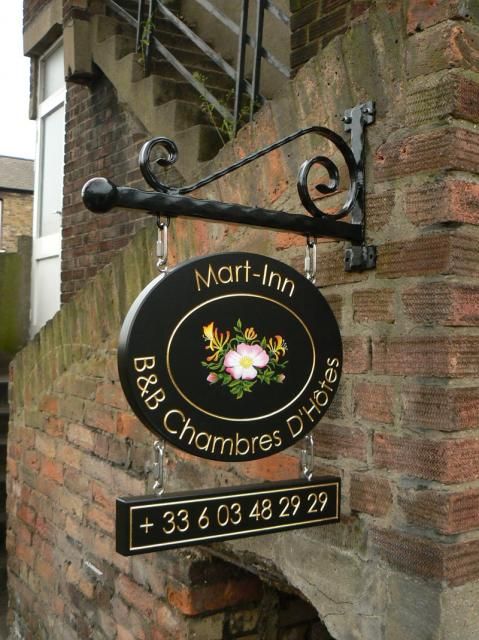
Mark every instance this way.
x=14 y=300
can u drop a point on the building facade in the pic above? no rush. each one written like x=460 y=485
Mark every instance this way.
x=402 y=431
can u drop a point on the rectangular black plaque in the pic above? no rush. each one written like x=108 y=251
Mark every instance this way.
x=151 y=523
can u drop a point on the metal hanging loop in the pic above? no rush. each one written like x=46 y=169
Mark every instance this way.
x=162 y=244
x=159 y=467
x=310 y=259
x=307 y=457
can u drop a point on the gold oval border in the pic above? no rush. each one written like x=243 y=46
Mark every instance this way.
x=238 y=295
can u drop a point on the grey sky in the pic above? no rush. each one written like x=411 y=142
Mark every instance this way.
x=17 y=132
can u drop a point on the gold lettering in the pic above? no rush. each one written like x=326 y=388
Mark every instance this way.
x=143 y=383
x=241 y=441
x=185 y=428
x=331 y=375
x=321 y=398
x=298 y=420
x=211 y=276
x=154 y=401
x=312 y=408
x=265 y=442
x=229 y=274
x=277 y=438
x=141 y=364
x=206 y=446
x=223 y=441
x=167 y=416
x=253 y=443
x=272 y=276
x=285 y=283
x=332 y=362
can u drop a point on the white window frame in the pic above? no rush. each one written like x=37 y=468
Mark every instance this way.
x=48 y=246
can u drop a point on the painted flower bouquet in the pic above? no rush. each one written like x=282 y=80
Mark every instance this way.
x=239 y=359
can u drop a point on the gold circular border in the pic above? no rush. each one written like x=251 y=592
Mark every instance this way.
x=238 y=295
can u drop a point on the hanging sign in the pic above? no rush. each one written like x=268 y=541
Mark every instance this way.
x=232 y=356
x=150 y=523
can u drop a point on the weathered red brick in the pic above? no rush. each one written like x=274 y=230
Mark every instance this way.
x=100 y=417
x=428 y=355
x=447 y=513
x=81 y=436
x=444 y=46
x=422 y=15
x=445 y=148
x=101 y=518
x=434 y=254
x=334 y=441
x=443 y=303
x=213 y=597
x=49 y=404
x=332 y=267
x=374 y=305
x=448 y=461
x=357 y=354
x=128 y=426
x=437 y=98
x=439 y=407
x=111 y=393
x=374 y=401
x=31 y=460
x=25 y=553
x=371 y=494
x=456 y=564
x=76 y=482
x=45 y=445
x=278 y=467
x=443 y=201
x=379 y=208
x=136 y=596
x=76 y=577
x=27 y=514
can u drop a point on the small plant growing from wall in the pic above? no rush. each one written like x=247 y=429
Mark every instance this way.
x=148 y=27
x=225 y=127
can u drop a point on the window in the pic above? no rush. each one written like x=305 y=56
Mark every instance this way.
x=48 y=189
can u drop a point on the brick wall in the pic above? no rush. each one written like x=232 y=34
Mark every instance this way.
x=402 y=433
x=17 y=211
x=101 y=138
x=315 y=22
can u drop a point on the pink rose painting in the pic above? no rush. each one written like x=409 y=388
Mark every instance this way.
x=244 y=362
x=239 y=360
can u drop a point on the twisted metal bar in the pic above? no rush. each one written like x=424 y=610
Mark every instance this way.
x=100 y=195
x=146 y=166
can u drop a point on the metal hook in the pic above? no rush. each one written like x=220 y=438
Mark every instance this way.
x=310 y=259
x=162 y=244
x=158 y=467
x=307 y=458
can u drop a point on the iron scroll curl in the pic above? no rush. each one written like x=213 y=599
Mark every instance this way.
x=170 y=155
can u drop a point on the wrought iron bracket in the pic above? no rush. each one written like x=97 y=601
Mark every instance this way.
x=100 y=194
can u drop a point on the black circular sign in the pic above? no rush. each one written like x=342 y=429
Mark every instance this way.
x=233 y=356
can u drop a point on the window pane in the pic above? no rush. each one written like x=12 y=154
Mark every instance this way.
x=53 y=73
x=47 y=298
x=51 y=188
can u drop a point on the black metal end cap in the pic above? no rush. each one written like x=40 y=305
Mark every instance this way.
x=99 y=195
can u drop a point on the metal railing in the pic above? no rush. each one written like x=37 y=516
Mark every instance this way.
x=146 y=40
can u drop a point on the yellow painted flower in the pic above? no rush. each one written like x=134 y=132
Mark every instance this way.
x=250 y=333
x=208 y=330
x=277 y=347
x=217 y=340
